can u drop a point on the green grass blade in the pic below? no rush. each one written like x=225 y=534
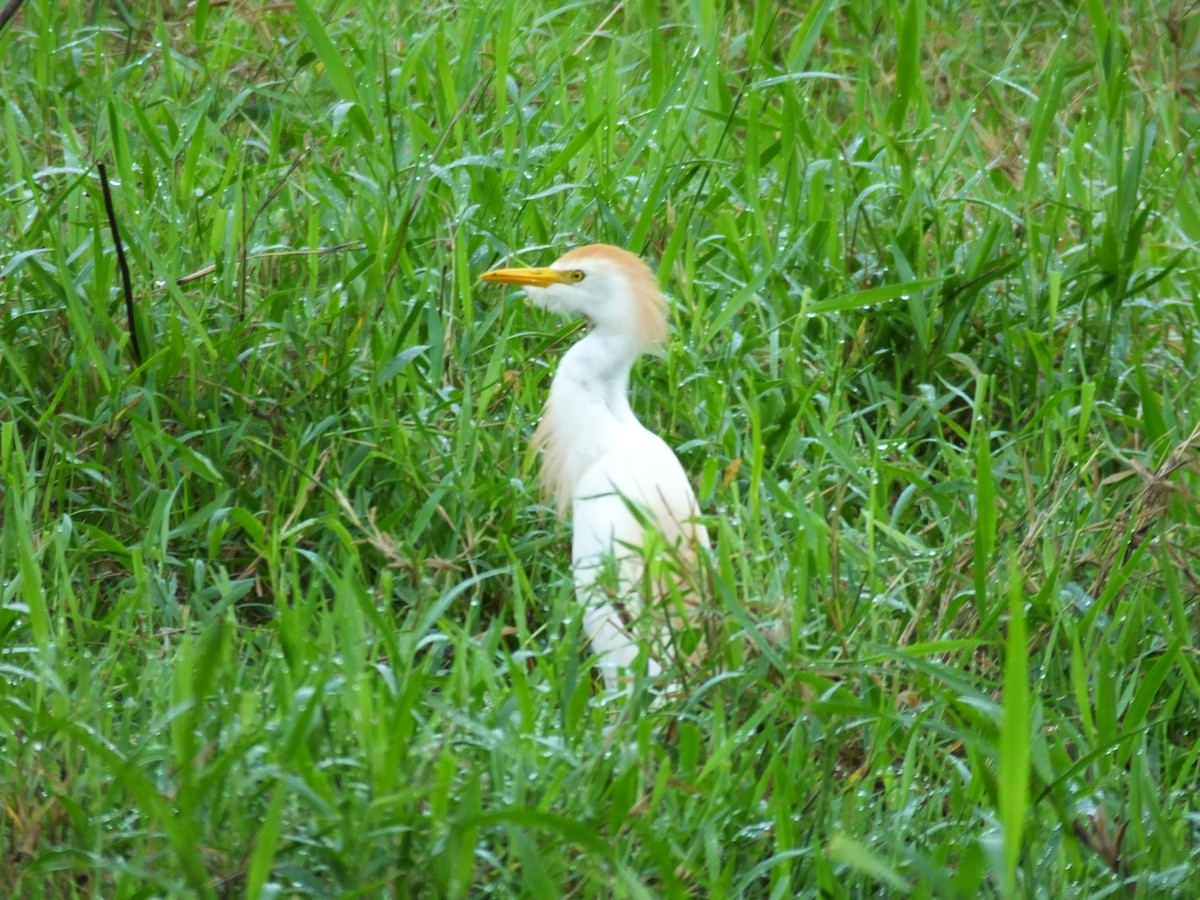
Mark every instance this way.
x=1012 y=785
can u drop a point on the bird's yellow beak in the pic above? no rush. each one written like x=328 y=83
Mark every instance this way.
x=529 y=277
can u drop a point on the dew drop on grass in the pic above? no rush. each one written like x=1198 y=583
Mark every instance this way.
x=755 y=832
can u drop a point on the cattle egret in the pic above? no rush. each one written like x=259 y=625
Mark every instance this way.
x=621 y=482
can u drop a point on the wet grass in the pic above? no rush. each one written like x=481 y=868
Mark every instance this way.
x=282 y=613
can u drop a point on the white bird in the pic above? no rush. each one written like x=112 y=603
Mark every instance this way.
x=623 y=484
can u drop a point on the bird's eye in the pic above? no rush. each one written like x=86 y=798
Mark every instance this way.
x=576 y=276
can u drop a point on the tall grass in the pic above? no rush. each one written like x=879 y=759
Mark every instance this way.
x=282 y=611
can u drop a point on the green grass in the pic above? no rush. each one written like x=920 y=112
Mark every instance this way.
x=282 y=613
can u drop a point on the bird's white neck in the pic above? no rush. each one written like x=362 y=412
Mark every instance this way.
x=596 y=370
x=588 y=410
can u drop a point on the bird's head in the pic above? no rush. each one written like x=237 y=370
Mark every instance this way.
x=610 y=287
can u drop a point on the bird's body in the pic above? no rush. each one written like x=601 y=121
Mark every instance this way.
x=632 y=505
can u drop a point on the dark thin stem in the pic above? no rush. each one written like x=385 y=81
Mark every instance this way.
x=121 y=263
x=11 y=8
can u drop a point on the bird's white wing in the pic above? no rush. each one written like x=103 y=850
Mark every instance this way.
x=635 y=488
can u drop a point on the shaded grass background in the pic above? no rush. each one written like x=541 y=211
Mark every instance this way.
x=282 y=613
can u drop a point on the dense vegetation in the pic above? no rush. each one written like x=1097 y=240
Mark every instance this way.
x=282 y=611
